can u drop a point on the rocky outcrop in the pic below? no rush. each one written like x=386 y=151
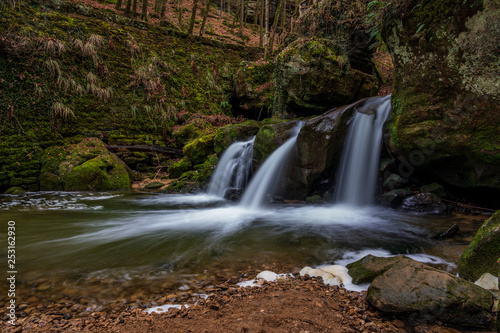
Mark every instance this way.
x=87 y=166
x=227 y=135
x=366 y=269
x=411 y=288
x=482 y=253
x=446 y=95
x=270 y=137
x=424 y=203
x=312 y=76
x=254 y=87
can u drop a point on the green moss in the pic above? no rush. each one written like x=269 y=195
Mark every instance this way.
x=15 y=191
x=198 y=150
x=482 y=253
x=178 y=168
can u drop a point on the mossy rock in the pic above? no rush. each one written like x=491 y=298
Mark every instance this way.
x=313 y=77
x=270 y=137
x=366 y=269
x=227 y=135
x=87 y=166
x=314 y=199
x=445 y=104
x=15 y=190
x=154 y=185
x=178 y=168
x=435 y=188
x=198 y=150
x=254 y=87
x=482 y=253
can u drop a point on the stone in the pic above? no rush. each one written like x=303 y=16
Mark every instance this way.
x=179 y=167
x=227 y=135
x=154 y=185
x=366 y=269
x=435 y=188
x=233 y=194
x=270 y=137
x=392 y=182
x=254 y=87
x=199 y=149
x=482 y=253
x=15 y=190
x=424 y=203
x=446 y=97
x=313 y=76
x=86 y=166
x=410 y=287
x=487 y=281
x=395 y=198
x=314 y=199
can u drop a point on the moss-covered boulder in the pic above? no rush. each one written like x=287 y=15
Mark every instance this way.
x=226 y=135
x=270 y=137
x=254 y=87
x=199 y=149
x=410 y=287
x=179 y=167
x=87 y=166
x=319 y=146
x=446 y=98
x=312 y=76
x=15 y=190
x=482 y=253
x=366 y=269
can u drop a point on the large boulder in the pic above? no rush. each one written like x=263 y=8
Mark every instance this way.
x=254 y=87
x=366 y=269
x=270 y=137
x=199 y=149
x=424 y=203
x=446 y=98
x=313 y=76
x=319 y=146
x=227 y=135
x=87 y=166
x=482 y=253
x=412 y=288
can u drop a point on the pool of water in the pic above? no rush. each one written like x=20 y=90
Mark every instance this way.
x=111 y=245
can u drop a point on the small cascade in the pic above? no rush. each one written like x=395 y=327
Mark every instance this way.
x=358 y=169
x=233 y=169
x=269 y=174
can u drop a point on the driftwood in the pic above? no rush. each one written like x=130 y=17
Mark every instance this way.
x=154 y=149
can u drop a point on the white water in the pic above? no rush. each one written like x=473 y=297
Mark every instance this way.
x=359 y=164
x=233 y=169
x=264 y=182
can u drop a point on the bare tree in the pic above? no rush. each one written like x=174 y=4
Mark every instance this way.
x=180 y=10
x=144 y=13
x=261 y=24
x=193 y=16
x=163 y=8
x=134 y=8
x=128 y=6
x=205 y=15
x=119 y=5
x=266 y=36
x=242 y=15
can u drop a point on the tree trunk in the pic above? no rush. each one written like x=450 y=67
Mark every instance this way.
x=144 y=14
x=256 y=15
x=261 y=24
x=193 y=16
x=266 y=23
x=163 y=8
x=119 y=5
x=180 y=9
x=242 y=15
x=128 y=6
x=205 y=15
x=275 y=26
x=134 y=8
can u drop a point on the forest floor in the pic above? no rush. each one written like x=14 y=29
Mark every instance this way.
x=299 y=304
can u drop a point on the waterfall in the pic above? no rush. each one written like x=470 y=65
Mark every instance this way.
x=358 y=169
x=234 y=168
x=269 y=174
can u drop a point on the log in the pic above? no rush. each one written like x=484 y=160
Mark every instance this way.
x=153 y=149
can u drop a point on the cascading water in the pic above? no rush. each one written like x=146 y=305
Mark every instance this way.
x=233 y=169
x=357 y=177
x=264 y=182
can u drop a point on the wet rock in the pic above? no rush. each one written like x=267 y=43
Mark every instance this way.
x=314 y=199
x=15 y=190
x=227 y=135
x=451 y=132
x=154 y=185
x=424 y=203
x=435 y=188
x=366 y=269
x=394 y=181
x=199 y=149
x=87 y=166
x=482 y=253
x=410 y=287
x=395 y=198
x=312 y=76
x=179 y=167
x=233 y=194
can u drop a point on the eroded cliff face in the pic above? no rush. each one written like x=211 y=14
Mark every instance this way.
x=446 y=95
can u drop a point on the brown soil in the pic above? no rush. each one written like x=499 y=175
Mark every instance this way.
x=292 y=305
